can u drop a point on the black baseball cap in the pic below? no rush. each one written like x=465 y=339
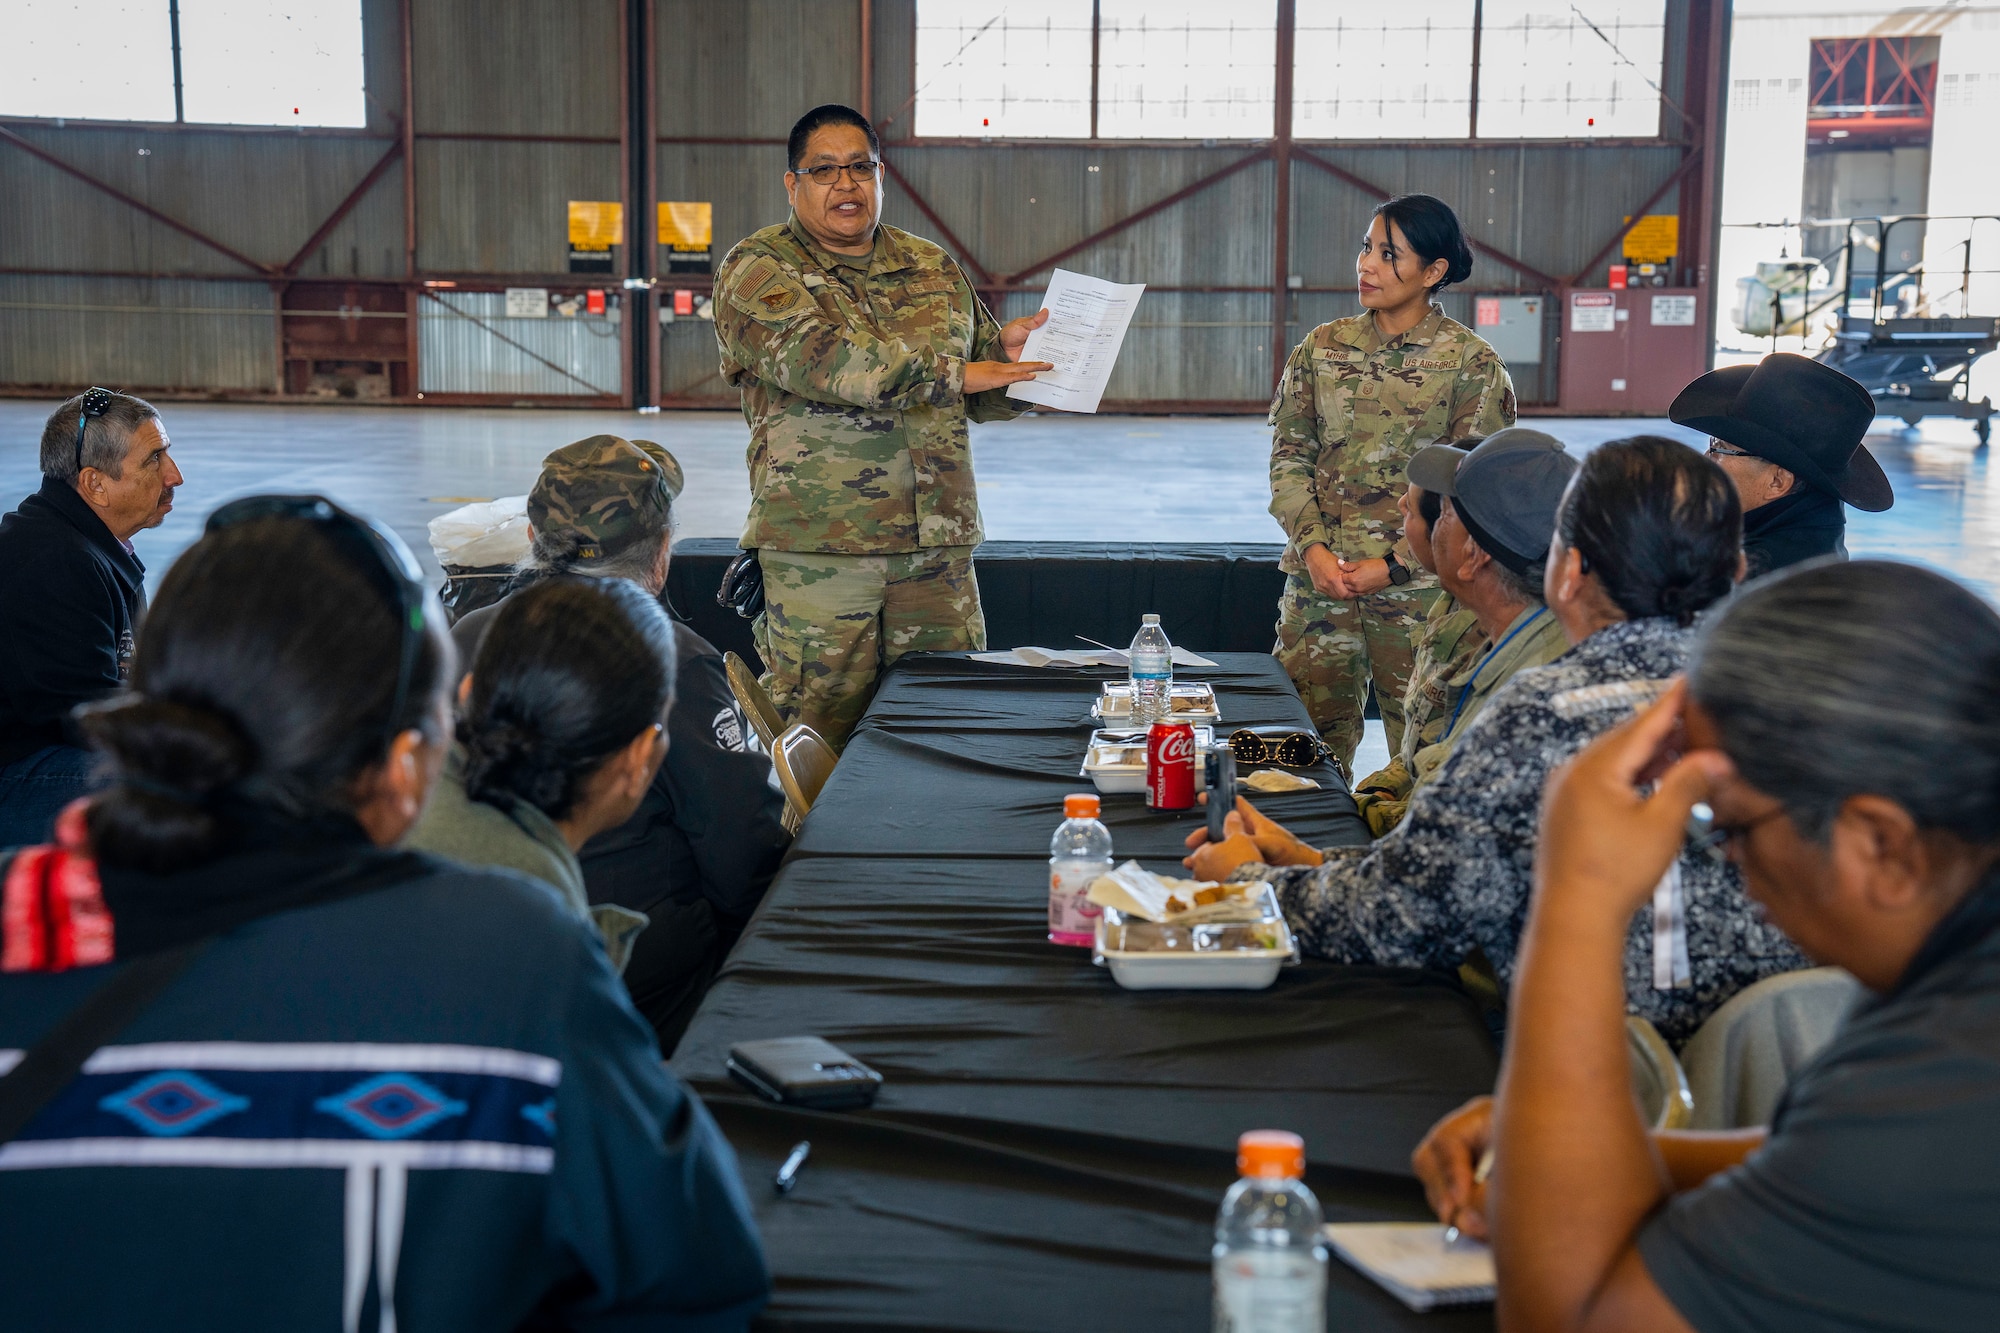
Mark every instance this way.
x=1506 y=490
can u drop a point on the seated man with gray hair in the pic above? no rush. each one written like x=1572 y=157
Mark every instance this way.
x=71 y=594
x=708 y=836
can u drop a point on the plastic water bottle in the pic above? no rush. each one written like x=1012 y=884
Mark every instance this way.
x=1078 y=854
x=1270 y=1264
x=1152 y=659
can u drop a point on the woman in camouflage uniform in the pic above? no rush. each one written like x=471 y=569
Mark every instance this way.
x=1358 y=397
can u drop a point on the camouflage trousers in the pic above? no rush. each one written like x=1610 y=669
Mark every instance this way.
x=831 y=623
x=1333 y=649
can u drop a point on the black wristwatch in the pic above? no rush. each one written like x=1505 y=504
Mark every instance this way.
x=1398 y=576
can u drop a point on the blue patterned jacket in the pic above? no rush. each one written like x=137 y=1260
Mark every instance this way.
x=428 y=1106
x=1456 y=873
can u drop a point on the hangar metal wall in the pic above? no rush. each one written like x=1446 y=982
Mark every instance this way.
x=211 y=260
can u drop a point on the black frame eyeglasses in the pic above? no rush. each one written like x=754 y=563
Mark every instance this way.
x=379 y=553
x=827 y=173
x=1717 y=449
x=96 y=402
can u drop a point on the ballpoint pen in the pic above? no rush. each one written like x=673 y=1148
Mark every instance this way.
x=1479 y=1175
x=788 y=1174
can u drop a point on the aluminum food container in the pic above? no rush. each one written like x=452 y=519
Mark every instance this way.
x=1115 y=760
x=1193 y=701
x=1145 y=955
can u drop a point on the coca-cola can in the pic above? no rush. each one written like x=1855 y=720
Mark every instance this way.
x=1170 y=766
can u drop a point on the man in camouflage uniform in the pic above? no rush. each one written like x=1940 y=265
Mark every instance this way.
x=1350 y=409
x=1449 y=643
x=860 y=352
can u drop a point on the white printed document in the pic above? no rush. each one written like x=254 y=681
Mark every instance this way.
x=1087 y=320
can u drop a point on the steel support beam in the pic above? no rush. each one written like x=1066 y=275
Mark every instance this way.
x=1159 y=205
x=1694 y=158
x=1281 y=192
x=346 y=206
x=412 y=339
x=1370 y=187
x=34 y=150
x=980 y=277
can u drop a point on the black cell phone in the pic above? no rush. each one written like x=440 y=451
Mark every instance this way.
x=1221 y=790
x=804 y=1071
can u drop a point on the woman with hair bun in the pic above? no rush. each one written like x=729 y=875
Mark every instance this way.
x=1357 y=398
x=563 y=726
x=1649 y=535
x=298 y=1037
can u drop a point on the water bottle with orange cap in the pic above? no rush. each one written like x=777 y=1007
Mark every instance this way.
x=1270 y=1263
x=1078 y=854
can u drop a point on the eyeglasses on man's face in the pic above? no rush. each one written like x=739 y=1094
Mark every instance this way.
x=1717 y=449
x=828 y=172
x=1713 y=839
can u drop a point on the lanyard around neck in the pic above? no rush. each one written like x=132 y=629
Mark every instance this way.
x=1465 y=690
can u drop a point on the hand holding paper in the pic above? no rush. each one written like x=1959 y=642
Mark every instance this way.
x=1085 y=328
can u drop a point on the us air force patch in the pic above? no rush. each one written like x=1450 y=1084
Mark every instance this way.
x=728 y=730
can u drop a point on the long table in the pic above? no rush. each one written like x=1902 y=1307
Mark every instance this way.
x=1049 y=1150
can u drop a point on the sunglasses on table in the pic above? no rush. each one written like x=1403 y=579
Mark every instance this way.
x=1297 y=749
x=829 y=172
x=376 y=551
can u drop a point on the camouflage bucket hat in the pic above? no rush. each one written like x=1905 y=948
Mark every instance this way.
x=603 y=491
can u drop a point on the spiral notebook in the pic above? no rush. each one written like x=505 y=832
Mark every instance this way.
x=1411 y=1262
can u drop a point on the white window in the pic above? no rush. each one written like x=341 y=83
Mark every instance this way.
x=1366 y=73
x=1552 y=70
x=1185 y=69
x=88 y=59
x=242 y=62
x=272 y=62
x=1003 y=70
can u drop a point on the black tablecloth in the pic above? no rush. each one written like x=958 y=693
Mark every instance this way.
x=1049 y=1150
x=1223 y=594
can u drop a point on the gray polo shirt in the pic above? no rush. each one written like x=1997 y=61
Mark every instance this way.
x=1876 y=1202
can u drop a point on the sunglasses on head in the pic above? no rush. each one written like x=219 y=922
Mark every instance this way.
x=377 y=552
x=96 y=402
x=1297 y=749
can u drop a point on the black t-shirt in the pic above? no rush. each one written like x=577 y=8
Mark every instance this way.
x=1876 y=1202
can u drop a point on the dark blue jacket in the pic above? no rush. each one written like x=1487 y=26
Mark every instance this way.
x=70 y=600
x=435 y=1093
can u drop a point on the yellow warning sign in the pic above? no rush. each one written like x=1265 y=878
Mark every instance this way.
x=596 y=224
x=687 y=226
x=1654 y=239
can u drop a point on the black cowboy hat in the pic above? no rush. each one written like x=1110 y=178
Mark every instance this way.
x=1791 y=410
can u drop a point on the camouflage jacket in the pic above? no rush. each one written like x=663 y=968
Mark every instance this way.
x=1450 y=643
x=1458 y=872
x=1351 y=409
x=852 y=373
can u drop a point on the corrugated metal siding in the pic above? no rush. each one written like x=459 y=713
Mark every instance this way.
x=503 y=207
x=525 y=67
x=750 y=68
x=136 y=334
x=471 y=355
x=262 y=195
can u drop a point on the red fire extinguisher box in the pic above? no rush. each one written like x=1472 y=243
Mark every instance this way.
x=1627 y=352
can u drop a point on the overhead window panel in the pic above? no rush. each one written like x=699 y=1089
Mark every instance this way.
x=87 y=59
x=1185 y=69
x=1016 y=71
x=1553 y=70
x=272 y=62
x=1363 y=72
